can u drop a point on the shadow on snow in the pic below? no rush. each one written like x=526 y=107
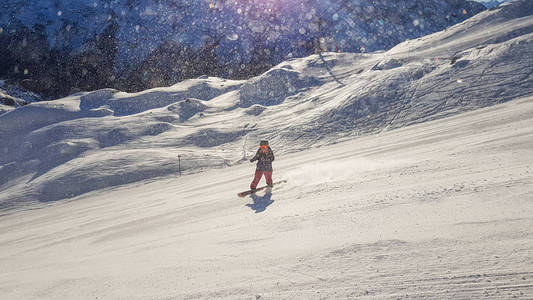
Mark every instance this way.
x=260 y=202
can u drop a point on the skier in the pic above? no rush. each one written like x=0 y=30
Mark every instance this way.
x=264 y=157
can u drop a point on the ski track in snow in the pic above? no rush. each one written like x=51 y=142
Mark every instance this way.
x=435 y=210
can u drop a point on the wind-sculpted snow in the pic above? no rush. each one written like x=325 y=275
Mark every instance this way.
x=126 y=104
x=428 y=89
x=116 y=138
x=206 y=138
x=46 y=144
x=80 y=155
x=37 y=115
x=255 y=110
x=495 y=26
x=187 y=108
x=274 y=86
x=116 y=167
x=387 y=64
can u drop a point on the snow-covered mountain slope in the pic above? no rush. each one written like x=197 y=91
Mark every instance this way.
x=138 y=44
x=439 y=210
x=88 y=141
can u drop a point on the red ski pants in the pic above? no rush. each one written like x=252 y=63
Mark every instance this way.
x=258 y=175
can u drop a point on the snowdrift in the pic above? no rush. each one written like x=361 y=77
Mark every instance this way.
x=59 y=149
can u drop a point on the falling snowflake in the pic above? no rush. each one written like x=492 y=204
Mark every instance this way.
x=233 y=37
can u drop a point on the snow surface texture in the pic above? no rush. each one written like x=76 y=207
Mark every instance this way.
x=439 y=210
x=372 y=209
x=88 y=141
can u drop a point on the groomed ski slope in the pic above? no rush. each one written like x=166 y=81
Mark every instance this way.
x=441 y=210
x=55 y=150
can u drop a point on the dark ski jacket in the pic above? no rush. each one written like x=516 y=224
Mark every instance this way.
x=264 y=160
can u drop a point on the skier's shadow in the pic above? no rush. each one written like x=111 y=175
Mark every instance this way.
x=260 y=202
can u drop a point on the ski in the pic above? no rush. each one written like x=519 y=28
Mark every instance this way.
x=249 y=192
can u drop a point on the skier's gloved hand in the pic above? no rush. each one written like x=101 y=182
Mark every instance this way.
x=251 y=160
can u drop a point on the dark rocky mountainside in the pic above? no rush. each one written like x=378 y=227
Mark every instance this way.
x=57 y=48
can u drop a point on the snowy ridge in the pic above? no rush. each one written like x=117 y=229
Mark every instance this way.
x=106 y=138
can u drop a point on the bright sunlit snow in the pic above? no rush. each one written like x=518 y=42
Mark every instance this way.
x=409 y=175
